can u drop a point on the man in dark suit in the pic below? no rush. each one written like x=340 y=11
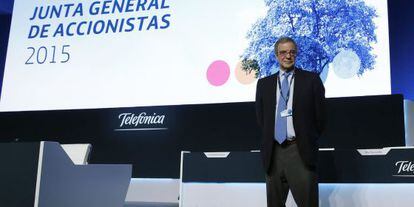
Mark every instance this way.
x=290 y=112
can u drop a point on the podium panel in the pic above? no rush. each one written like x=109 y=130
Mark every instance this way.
x=222 y=179
x=18 y=173
x=42 y=175
x=384 y=165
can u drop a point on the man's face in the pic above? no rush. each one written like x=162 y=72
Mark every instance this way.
x=286 y=55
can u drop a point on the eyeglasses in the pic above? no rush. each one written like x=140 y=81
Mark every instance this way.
x=285 y=53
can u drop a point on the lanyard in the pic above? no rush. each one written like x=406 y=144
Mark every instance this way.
x=280 y=87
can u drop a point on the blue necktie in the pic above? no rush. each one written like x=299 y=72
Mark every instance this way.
x=281 y=122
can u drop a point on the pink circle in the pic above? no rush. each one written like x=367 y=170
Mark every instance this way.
x=218 y=73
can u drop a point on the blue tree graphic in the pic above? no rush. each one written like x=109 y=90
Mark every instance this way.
x=321 y=28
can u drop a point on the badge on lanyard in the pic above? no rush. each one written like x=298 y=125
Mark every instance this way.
x=286 y=113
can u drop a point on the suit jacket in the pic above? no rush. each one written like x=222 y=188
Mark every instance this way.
x=308 y=114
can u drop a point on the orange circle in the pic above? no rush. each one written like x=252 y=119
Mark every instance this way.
x=244 y=77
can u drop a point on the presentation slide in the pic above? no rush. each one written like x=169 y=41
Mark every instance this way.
x=77 y=54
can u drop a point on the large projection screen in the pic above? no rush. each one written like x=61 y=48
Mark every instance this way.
x=122 y=53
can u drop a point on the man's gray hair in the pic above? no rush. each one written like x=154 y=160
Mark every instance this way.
x=284 y=39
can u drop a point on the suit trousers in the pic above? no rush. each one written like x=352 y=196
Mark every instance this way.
x=288 y=171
